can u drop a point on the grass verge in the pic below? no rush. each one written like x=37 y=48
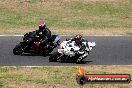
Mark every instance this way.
x=94 y=17
x=57 y=77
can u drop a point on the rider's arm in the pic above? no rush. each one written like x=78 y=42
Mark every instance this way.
x=82 y=49
x=84 y=40
x=48 y=32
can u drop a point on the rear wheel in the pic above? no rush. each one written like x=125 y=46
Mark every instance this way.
x=17 y=50
x=64 y=59
x=45 y=53
x=54 y=57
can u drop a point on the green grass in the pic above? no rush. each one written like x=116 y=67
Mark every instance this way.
x=1 y=84
x=3 y=69
x=57 y=77
x=17 y=16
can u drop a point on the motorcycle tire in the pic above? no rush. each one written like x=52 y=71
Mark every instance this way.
x=54 y=56
x=64 y=59
x=17 y=50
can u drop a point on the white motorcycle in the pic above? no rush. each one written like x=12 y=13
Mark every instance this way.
x=69 y=50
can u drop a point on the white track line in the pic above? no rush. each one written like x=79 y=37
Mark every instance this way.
x=67 y=66
x=72 y=35
x=11 y=35
x=77 y=66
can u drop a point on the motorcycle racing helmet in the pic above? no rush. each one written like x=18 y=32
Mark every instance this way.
x=78 y=38
x=42 y=26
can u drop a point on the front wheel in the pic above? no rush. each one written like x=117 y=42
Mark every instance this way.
x=54 y=57
x=17 y=50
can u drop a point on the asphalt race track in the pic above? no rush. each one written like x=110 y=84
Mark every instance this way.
x=110 y=50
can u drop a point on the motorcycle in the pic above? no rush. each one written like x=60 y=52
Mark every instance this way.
x=32 y=44
x=69 y=50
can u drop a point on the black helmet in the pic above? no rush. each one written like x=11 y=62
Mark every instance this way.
x=42 y=25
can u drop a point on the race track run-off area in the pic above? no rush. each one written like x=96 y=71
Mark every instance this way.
x=110 y=50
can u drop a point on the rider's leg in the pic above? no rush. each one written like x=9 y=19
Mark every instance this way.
x=82 y=57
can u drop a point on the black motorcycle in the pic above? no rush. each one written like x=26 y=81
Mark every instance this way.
x=34 y=45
